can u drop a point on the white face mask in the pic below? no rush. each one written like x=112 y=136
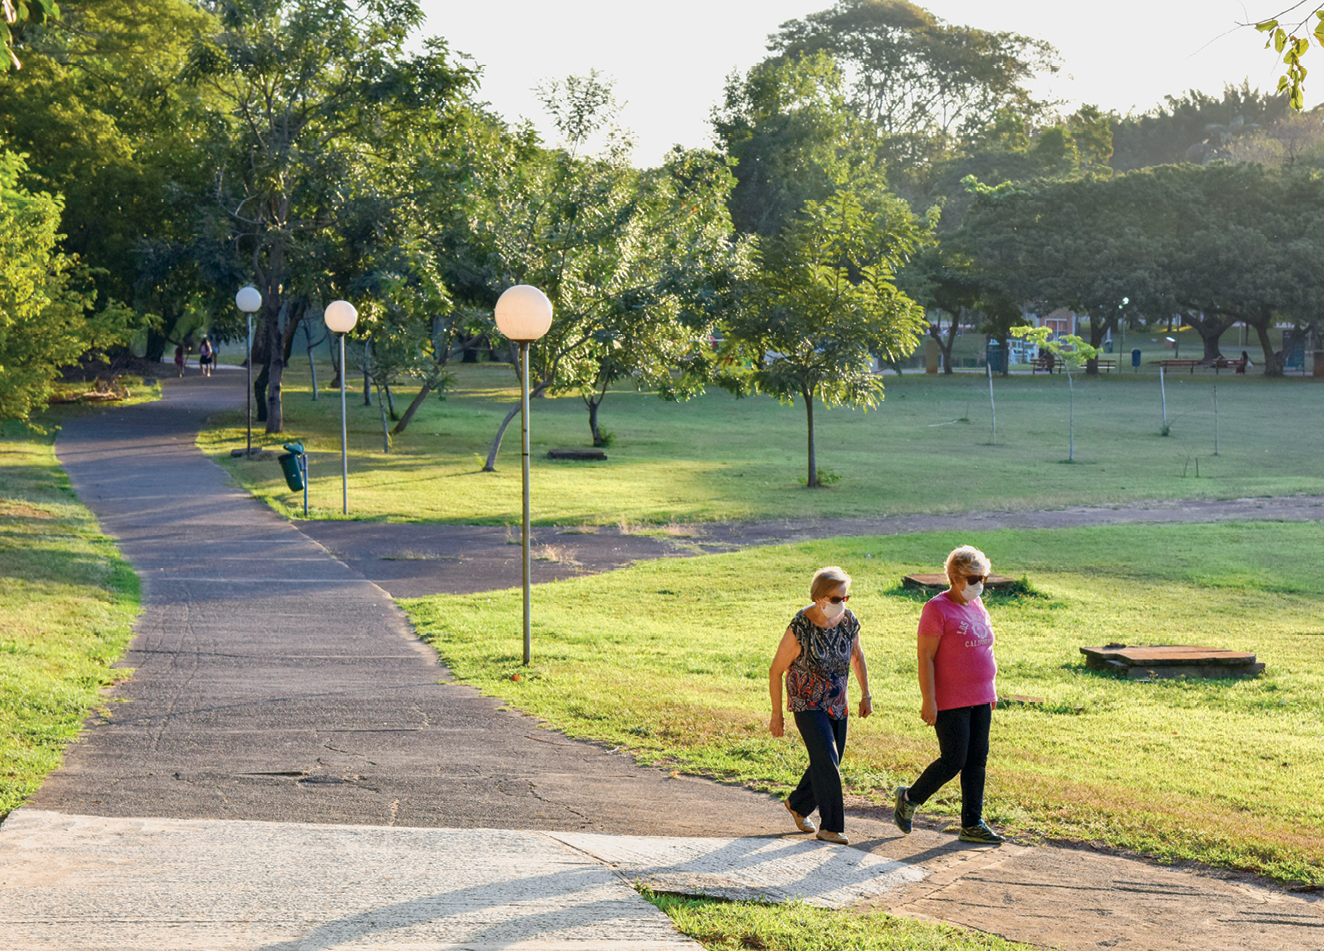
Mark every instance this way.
x=831 y=610
x=973 y=591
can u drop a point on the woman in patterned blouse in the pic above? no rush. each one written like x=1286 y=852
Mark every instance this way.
x=816 y=655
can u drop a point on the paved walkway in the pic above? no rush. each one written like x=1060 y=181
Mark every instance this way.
x=290 y=768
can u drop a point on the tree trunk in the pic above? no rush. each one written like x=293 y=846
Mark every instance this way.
x=812 y=482
x=335 y=360
x=386 y=431
x=593 y=405
x=275 y=370
x=312 y=364
x=490 y=465
x=424 y=391
x=1273 y=362
x=945 y=343
x=260 y=393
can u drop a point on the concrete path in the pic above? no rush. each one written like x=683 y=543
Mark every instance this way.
x=289 y=768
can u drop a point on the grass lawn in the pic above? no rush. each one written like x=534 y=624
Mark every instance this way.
x=66 y=605
x=927 y=448
x=669 y=660
x=736 y=926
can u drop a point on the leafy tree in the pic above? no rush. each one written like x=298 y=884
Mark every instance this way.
x=19 y=14
x=1074 y=244
x=633 y=262
x=922 y=83
x=1194 y=127
x=319 y=95
x=827 y=301
x=100 y=113
x=45 y=316
x=787 y=128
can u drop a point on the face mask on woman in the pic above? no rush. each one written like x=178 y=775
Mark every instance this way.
x=973 y=591
x=831 y=610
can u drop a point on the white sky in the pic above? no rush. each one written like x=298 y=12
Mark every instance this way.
x=670 y=60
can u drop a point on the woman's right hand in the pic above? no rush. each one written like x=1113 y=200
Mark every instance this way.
x=928 y=711
x=776 y=725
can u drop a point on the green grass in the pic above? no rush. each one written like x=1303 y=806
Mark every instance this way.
x=927 y=448
x=66 y=605
x=720 y=925
x=669 y=660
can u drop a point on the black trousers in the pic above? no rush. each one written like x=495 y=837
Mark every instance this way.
x=820 y=786
x=962 y=748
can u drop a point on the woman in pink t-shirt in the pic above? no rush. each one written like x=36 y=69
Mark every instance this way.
x=956 y=684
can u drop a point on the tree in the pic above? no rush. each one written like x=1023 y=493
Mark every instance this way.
x=45 y=315
x=1194 y=127
x=921 y=83
x=1072 y=352
x=787 y=128
x=827 y=301
x=1076 y=244
x=105 y=123
x=319 y=95
x=633 y=262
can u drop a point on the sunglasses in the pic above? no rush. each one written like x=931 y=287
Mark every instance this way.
x=975 y=579
x=836 y=600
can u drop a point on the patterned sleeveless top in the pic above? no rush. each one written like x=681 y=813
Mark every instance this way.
x=816 y=680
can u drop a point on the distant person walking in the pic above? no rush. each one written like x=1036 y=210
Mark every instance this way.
x=957 y=690
x=206 y=356
x=179 y=358
x=816 y=655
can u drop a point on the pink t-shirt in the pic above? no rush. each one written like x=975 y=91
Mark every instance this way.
x=963 y=668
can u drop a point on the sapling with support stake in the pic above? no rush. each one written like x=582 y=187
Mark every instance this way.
x=993 y=410
x=1074 y=352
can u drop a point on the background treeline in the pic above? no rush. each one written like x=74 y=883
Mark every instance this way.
x=879 y=176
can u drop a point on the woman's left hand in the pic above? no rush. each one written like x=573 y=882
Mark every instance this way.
x=866 y=707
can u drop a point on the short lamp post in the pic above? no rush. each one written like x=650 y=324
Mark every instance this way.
x=340 y=317
x=248 y=300
x=524 y=314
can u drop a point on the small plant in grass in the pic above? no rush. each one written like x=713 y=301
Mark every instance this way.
x=1073 y=352
x=826 y=477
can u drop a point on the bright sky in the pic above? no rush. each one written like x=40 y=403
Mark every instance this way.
x=670 y=60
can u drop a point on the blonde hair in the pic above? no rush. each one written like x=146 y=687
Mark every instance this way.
x=967 y=560
x=825 y=580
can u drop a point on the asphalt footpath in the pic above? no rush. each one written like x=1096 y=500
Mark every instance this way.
x=290 y=768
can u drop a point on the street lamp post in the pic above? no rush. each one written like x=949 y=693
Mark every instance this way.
x=248 y=300
x=524 y=314
x=340 y=317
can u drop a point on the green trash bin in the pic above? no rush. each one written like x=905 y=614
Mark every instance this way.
x=289 y=464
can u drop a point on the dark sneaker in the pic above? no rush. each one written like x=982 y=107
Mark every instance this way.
x=981 y=834
x=903 y=812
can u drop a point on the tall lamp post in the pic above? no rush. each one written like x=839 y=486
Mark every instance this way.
x=248 y=300
x=340 y=317
x=524 y=314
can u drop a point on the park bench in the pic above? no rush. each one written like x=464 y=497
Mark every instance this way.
x=1045 y=362
x=1222 y=363
x=1106 y=364
x=1178 y=364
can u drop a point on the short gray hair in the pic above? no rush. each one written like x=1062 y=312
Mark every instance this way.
x=967 y=560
